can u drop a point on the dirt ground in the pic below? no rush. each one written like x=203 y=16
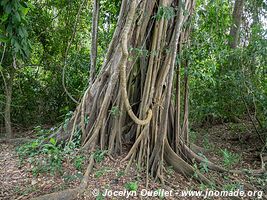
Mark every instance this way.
x=233 y=146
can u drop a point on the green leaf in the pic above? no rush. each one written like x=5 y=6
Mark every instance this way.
x=53 y=141
x=3 y=38
x=22 y=32
x=3 y=2
x=17 y=17
x=24 y=10
x=8 y=9
x=15 y=45
x=4 y=17
x=9 y=29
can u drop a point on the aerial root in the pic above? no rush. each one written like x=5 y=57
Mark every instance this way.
x=179 y=165
x=69 y=194
x=122 y=68
x=193 y=156
x=135 y=145
x=197 y=149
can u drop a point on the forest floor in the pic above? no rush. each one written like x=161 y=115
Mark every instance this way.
x=229 y=145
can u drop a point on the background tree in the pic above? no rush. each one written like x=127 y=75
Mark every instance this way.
x=14 y=40
x=38 y=94
x=235 y=29
x=93 y=56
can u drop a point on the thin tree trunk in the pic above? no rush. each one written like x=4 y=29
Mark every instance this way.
x=177 y=110
x=234 y=41
x=7 y=113
x=186 y=105
x=185 y=128
x=237 y=18
x=177 y=123
x=93 y=57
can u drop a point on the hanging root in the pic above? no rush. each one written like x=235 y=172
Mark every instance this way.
x=135 y=145
x=122 y=67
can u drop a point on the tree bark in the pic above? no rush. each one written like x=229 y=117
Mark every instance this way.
x=186 y=105
x=237 y=18
x=9 y=86
x=93 y=57
x=177 y=135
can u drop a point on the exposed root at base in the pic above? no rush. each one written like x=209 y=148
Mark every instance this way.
x=15 y=140
x=69 y=194
x=179 y=165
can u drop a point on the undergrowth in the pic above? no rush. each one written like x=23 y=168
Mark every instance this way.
x=46 y=155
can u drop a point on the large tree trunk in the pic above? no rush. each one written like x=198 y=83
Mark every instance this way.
x=131 y=98
x=136 y=80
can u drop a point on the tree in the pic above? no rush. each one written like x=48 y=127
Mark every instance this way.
x=235 y=29
x=94 y=41
x=131 y=99
x=14 y=40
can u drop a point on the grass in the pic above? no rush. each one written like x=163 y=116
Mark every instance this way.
x=46 y=157
x=232 y=187
x=131 y=186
